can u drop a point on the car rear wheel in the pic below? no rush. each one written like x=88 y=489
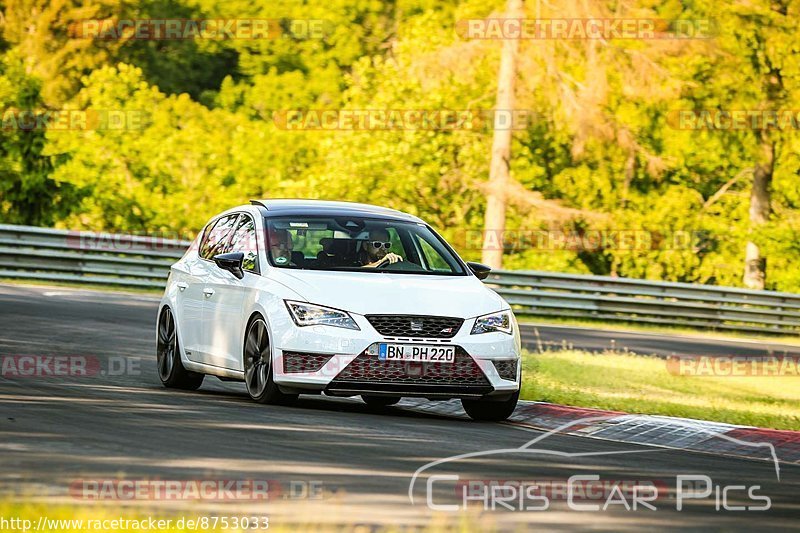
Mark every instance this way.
x=168 y=356
x=490 y=411
x=258 y=366
x=379 y=401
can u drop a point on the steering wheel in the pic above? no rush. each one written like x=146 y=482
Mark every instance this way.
x=407 y=266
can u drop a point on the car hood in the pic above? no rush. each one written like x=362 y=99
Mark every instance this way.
x=383 y=293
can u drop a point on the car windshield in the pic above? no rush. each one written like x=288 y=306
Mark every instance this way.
x=358 y=244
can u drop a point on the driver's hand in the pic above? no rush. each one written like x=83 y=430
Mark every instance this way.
x=392 y=258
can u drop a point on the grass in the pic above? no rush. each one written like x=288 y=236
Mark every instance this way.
x=637 y=384
x=654 y=328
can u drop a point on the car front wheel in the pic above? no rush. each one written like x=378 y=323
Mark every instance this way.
x=258 y=375
x=490 y=411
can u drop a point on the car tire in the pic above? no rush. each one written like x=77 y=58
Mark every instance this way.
x=171 y=371
x=490 y=411
x=257 y=359
x=378 y=402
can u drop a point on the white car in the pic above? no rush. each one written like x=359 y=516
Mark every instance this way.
x=308 y=297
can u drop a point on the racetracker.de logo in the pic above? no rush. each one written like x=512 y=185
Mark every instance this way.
x=173 y=489
x=402 y=119
x=569 y=29
x=587 y=239
x=734 y=366
x=194 y=489
x=67 y=366
x=74 y=120
x=211 y=29
x=734 y=119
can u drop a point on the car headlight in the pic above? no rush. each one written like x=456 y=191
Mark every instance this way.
x=305 y=314
x=495 y=322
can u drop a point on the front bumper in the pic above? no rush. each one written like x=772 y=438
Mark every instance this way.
x=337 y=361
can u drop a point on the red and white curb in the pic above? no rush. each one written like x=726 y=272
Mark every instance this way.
x=649 y=430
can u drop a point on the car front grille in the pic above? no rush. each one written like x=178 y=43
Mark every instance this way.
x=368 y=373
x=416 y=326
x=296 y=362
x=507 y=369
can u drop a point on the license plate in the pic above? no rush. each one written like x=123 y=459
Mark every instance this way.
x=416 y=352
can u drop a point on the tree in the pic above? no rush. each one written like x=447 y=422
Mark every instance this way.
x=769 y=37
x=755 y=264
x=759 y=42
x=28 y=193
x=498 y=187
x=43 y=33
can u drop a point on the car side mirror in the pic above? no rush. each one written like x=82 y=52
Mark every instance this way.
x=232 y=262
x=481 y=271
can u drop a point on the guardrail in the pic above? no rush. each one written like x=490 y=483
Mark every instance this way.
x=32 y=253
x=143 y=262
x=657 y=302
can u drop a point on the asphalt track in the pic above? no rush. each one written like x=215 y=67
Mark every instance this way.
x=118 y=424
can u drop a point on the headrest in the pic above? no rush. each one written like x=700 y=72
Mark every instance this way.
x=337 y=246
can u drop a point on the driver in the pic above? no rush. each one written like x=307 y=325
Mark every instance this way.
x=280 y=246
x=375 y=251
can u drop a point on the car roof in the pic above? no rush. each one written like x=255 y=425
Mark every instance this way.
x=286 y=206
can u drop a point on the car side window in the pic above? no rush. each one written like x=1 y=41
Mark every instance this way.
x=206 y=243
x=244 y=240
x=216 y=238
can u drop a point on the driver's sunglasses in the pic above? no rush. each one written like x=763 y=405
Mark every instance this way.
x=378 y=244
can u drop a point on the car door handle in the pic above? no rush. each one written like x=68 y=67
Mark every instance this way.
x=181 y=285
x=208 y=292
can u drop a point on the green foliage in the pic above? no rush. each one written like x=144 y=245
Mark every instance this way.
x=28 y=193
x=602 y=140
